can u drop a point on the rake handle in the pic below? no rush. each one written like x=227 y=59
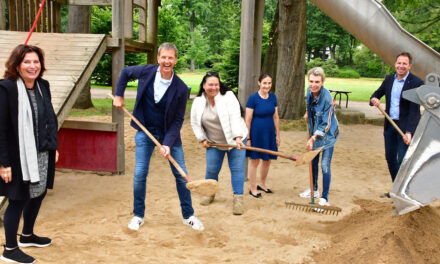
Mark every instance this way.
x=169 y=157
x=391 y=121
x=312 y=191
x=271 y=152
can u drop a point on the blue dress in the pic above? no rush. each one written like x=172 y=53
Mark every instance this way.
x=262 y=126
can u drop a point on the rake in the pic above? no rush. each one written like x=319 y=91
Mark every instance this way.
x=312 y=206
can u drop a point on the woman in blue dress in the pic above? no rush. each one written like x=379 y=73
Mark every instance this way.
x=263 y=125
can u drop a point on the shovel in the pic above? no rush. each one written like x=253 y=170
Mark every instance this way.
x=203 y=187
x=309 y=156
x=391 y=121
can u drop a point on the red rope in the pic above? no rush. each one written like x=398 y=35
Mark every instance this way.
x=35 y=22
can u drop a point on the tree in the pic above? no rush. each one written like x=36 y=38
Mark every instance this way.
x=79 y=22
x=291 y=58
x=271 y=56
x=419 y=17
x=198 y=47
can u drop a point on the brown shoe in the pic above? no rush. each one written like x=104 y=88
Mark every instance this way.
x=207 y=200
x=237 y=205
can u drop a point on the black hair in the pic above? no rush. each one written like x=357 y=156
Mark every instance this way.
x=223 y=88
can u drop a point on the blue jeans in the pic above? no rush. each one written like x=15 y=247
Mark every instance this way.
x=236 y=158
x=144 y=149
x=326 y=173
x=395 y=150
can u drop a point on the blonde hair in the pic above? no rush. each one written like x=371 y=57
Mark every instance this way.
x=317 y=71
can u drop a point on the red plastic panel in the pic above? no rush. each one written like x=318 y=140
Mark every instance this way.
x=87 y=150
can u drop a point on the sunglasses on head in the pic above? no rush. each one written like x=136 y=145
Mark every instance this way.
x=212 y=74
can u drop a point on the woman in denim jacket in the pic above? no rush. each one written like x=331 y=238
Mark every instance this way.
x=323 y=130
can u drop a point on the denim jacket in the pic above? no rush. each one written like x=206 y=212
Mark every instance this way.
x=322 y=119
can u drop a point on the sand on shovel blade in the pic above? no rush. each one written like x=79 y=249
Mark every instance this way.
x=203 y=187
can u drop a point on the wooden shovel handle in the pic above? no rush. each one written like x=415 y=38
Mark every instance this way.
x=169 y=157
x=271 y=152
x=391 y=121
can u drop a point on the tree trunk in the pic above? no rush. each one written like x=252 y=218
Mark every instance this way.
x=192 y=66
x=79 y=22
x=291 y=56
x=270 y=59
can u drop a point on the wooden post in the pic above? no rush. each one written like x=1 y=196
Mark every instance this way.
x=2 y=15
x=246 y=72
x=258 y=35
x=12 y=15
x=32 y=11
x=56 y=17
x=49 y=16
x=37 y=7
x=128 y=19
x=26 y=23
x=143 y=21
x=118 y=61
x=43 y=18
x=152 y=28
x=19 y=15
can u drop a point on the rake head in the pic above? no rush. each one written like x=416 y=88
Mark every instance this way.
x=316 y=208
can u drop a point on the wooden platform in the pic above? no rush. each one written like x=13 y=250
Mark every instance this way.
x=70 y=60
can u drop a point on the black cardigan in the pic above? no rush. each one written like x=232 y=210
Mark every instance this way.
x=9 y=146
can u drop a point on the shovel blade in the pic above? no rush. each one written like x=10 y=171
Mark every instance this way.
x=203 y=187
x=308 y=157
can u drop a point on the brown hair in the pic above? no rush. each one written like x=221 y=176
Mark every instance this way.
x=405 y=54
x=16 y=58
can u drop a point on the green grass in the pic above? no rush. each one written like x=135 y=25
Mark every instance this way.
x=104 y=107
x=101 y=107
x=192 y=79
x=361 y=89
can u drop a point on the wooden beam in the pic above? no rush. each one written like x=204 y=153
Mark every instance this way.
x=152 y=29
x=90 y=2
x=132 y=45
x=140 y=3
x=19 y=14
x=26 y=23
x=118 y=62
x=90 y=125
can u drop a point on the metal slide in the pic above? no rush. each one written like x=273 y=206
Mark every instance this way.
x=373 y=25
x=418 y=180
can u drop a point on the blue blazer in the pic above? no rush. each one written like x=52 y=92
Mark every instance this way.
x=409 y=112
x=176 y=103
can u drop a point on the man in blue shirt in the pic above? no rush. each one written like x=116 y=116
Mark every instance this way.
x=403 y=112
x=160 y=107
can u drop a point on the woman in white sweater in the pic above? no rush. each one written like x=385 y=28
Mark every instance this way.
x=216 y=117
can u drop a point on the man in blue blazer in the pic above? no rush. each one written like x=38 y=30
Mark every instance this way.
x=406 y=114
x=160 y=107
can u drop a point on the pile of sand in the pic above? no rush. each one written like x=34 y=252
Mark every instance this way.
x=86 y=215
x=372 y=235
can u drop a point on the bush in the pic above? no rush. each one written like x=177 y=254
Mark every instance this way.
x=329 y=66
x=348 y=73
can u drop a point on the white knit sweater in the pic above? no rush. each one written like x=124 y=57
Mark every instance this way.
x=228 y=110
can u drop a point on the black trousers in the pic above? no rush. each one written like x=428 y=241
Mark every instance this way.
x=30 y=209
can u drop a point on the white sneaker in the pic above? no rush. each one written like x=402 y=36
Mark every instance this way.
x=306 y=194
x=323 y=202
x=135 y=223
x=194 y=222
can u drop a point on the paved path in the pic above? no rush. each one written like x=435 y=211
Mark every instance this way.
x=99 y=93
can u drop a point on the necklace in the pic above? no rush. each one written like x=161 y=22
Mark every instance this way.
x=265 y=96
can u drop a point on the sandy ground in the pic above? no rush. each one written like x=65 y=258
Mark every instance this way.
x=86 y=214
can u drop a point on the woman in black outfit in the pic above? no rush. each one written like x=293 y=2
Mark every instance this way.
x=28 y=144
